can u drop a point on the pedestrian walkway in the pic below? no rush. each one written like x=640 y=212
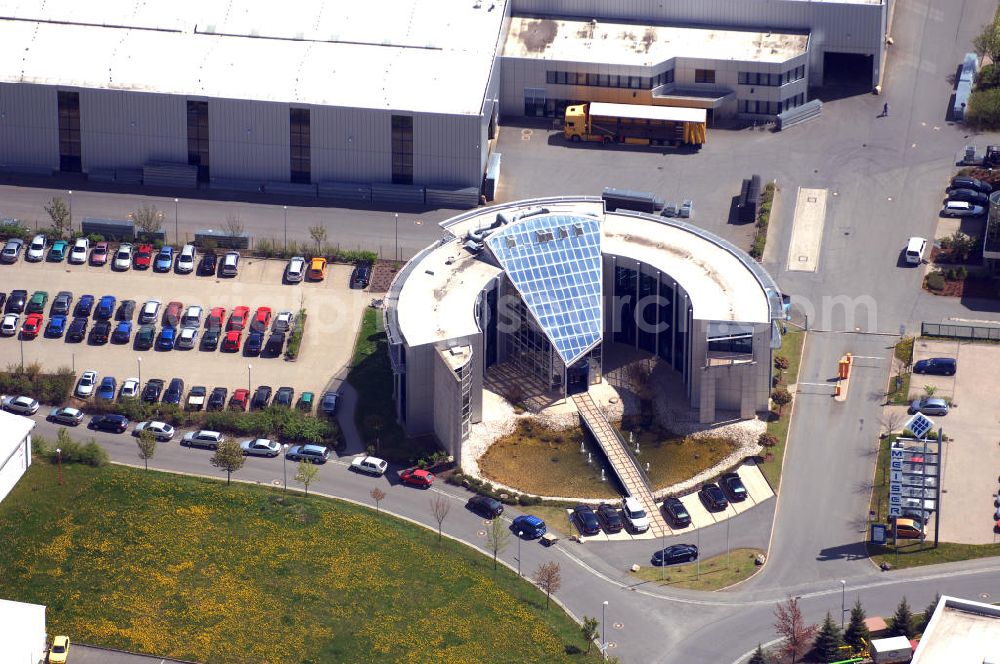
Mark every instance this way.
x=624 y=466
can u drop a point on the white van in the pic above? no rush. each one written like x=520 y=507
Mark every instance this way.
x=915 y=248
x=635 y=514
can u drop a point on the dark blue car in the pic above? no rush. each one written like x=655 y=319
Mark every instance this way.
x=254 y=343
x=942 y=366
x=105 y=308
x=107 y=389
x=164 y=260
x=77 y=329
x=586 y=520
x=84 y=306
x=678 y=553
x=113 y=423
x=122 y=333
x=166 y=340
x=56 y=326
x=529 y=526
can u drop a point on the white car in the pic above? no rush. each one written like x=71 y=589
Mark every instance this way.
x=230 y=264
x=123 y=257
x=161 y=430
x=21 y=405
x=261 y=447
x=915 y=248
x=84 y=388
x=36 y=250
x=78 y=254
x=186 y=259
x=283 y=321
x=10 y=325
x=202 y=438
x=635 y=514
x=192 y=316
x=296 y=269
x=186 y=338
x=369 y=464
x=149 y=311
x=130 y=389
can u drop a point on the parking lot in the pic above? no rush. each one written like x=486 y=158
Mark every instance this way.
x=333 y=316
x=971 y=458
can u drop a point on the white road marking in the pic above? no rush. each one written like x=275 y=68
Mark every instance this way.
x=807 y=230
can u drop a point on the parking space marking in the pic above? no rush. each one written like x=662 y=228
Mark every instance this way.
x=700 y=517
x=754 y=481
x=807 y=230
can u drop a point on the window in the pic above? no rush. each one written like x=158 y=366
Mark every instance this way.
x=534 y=102
x=737 y=345
x=299 y=142
x=197 y=133
x=69 y=132
x=402 y=149
x=704 y=76
x=663 y=78
x=550 y=77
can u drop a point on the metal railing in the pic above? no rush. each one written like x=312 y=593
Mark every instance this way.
x=970 y=332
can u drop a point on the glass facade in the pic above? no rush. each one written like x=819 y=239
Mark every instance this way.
x=402 y=149
x=69 y=132
x=197 y=136
x=299 y=143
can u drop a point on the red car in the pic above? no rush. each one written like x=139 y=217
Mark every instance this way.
x=215 y=319
x=238 y=318
x=143 y=257
x=417 y=477
x=261 y=320
x=99 y=254
x=240 y=399
x=232 y=341
x=172 y=314
x=32 y=326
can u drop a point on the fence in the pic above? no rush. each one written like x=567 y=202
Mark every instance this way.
x=970 y=332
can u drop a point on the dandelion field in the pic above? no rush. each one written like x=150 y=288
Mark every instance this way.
x=189 y=568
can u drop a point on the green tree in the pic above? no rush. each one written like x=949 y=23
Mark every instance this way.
x=857 y=635
x=318 y=235
x=929 y=611
x=987 y=42
x=58 y=211
x=901 y=623
x=147 y=446
x=828 y=640
x=147 y=220
x=497 y=538
x=759 y=657
x=781 y=397
x=229 y=457
x=589 y=631
x=306 y=474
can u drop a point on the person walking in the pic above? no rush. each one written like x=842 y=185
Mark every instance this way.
x=885 y=110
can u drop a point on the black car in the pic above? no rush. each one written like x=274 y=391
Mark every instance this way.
x=62 y=303
x=126 y=310
x=77 y=330
x=328 y=404
x=942 y=366
x=16 y=301
x=3 y=298
x=484 y=506
x=969 y=195
x=151 y=393
x=285 y=396
x=145 y=337
x=101 y=332
x=253 y=344
x=713 y=498
x=610 y=518
x=966 y=182
x=261 y=398
x=174 y=391
x=361 y=275
x=210 y=339
x=112 y=423
x=217 y=399
x=586 y=520
x=208 y=264
x=733 y=487
x=677 y=553
x=676 y=512
x=275 y=342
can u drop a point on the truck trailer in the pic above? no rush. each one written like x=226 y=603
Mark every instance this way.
x=635 y=124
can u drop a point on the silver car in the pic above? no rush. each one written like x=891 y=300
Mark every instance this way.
x=187 y=338
x=930 y=406
x=11 y=250
x=261 y=447
x=21 y=405
x=68 y=416
x=162 y=431
x=295 y=270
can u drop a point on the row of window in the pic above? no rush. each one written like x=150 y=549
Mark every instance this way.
x=609 y=80
x=69 y=131
x=772 y=80
x=758 y=107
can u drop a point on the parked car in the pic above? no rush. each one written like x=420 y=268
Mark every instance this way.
x=145 y=337
x=192 y=316
x=261 y=398
x=126 y=310
x=231 y=343
x=68 y=416
x=149 y=311
x=264 y=447
x=166 y=339
x=77 y=330
x=32 y=326
x=529 y=526
x=908 y=528
x=185 y=259
x=635 y=514
x=58 y=251
x=10 y=325
x=187 y=338
x=283 y=321
x=240 y=399
x=370 y=465
x=112 y=423
x=238 y=319
x=295 y=269
x=328 y=403
x=261 y=319
x=151 y=393
x=3 y=298
x=105 y=308
x=130 y=389
x=164 y=259
x=713 y=497
x=285 y=396
x=484 y=506
x=11 y=250
x=15 y=303
x=78 y=254
x=676 y=513
x=586 y=520
x=961 y=209
x=85 y=386
x=215 y=319
x=210 y=340
x=162 y=431
x=107 y=389
x=22 y=405
x=36 y=304
x=202 y=438
x=941 y=366
x=254 y=344
x=84 y=306
x=610 y=519
x=929 y=406
x=677 y=553
x=196 y=397
x=56 y=326
x=174 y=392
x=914 y=251
x=143 y=257
x=123 y=257
x=417 y=477
x=36 y=249
x=317 y=269
x=361 y=274
x=733 y=487
x=172 y=314
x=967 y=182
x=306 y=402
x=969 y=195
x=275 y=342
x=217 y=399
x=99 y=254
x=207 y=265
x=62 y=304
x=122 y=333
x=310 y=453
x=230 y=264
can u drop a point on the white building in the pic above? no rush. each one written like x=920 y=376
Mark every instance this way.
x=15 y=449
x=22 y=632
x=960 y=630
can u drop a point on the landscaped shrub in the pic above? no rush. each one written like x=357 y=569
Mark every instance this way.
x=70 y=451
x=9 y=229
x=935 y=281
x=767 y=439
x=295 y=340
x=983 y=111
x=47 y=388
x=989 y=77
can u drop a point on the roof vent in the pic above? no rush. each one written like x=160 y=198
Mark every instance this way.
x=430 y=272
x=543 y=236
x=563 y=233
x=577 y=230
x=510 y=242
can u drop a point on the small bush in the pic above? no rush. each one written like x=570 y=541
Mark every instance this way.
x=295 y=340
x=47 y=388
x=71 y=451
x=757 y=249
x=767 y=440
x=781 y=363
x=12 y=229
x=935 y=281
x=983 y=111
x=989 y=77
x=961 y=273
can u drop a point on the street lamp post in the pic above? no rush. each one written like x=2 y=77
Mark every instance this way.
x=284 y=463
x=138 y=362
x=71 y=210
x=604 y=634
x=59 y=458
x=249 y=366
x=21 y=339
x=286 y=226
x=177 y=235
x=843 y=605
x=519 y=534
x=395 y=256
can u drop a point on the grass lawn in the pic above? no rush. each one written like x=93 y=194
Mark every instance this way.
x=792 y=345
x=716 y=572
x=900 y=395
x=371 y=376
x=189 y=568
x=555 y=517
x=545 y=462
x=673 y=459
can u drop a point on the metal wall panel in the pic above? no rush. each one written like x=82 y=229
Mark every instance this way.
x=122 y=129
x=29 y=125
x=351 y=144
x=249 y=140
x=446 y=150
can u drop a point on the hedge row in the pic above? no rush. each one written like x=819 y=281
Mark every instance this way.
x=477 y=485
x=47 y=388
x=763 y=219
x=295 y=339
x=70 y=451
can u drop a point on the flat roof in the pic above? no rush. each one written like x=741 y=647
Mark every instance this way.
x=603 y=42
x=13 y=430
x=643 y=112
x=395 y=54
x=960 y=631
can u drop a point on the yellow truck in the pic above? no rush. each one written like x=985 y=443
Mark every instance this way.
x=635 y=124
